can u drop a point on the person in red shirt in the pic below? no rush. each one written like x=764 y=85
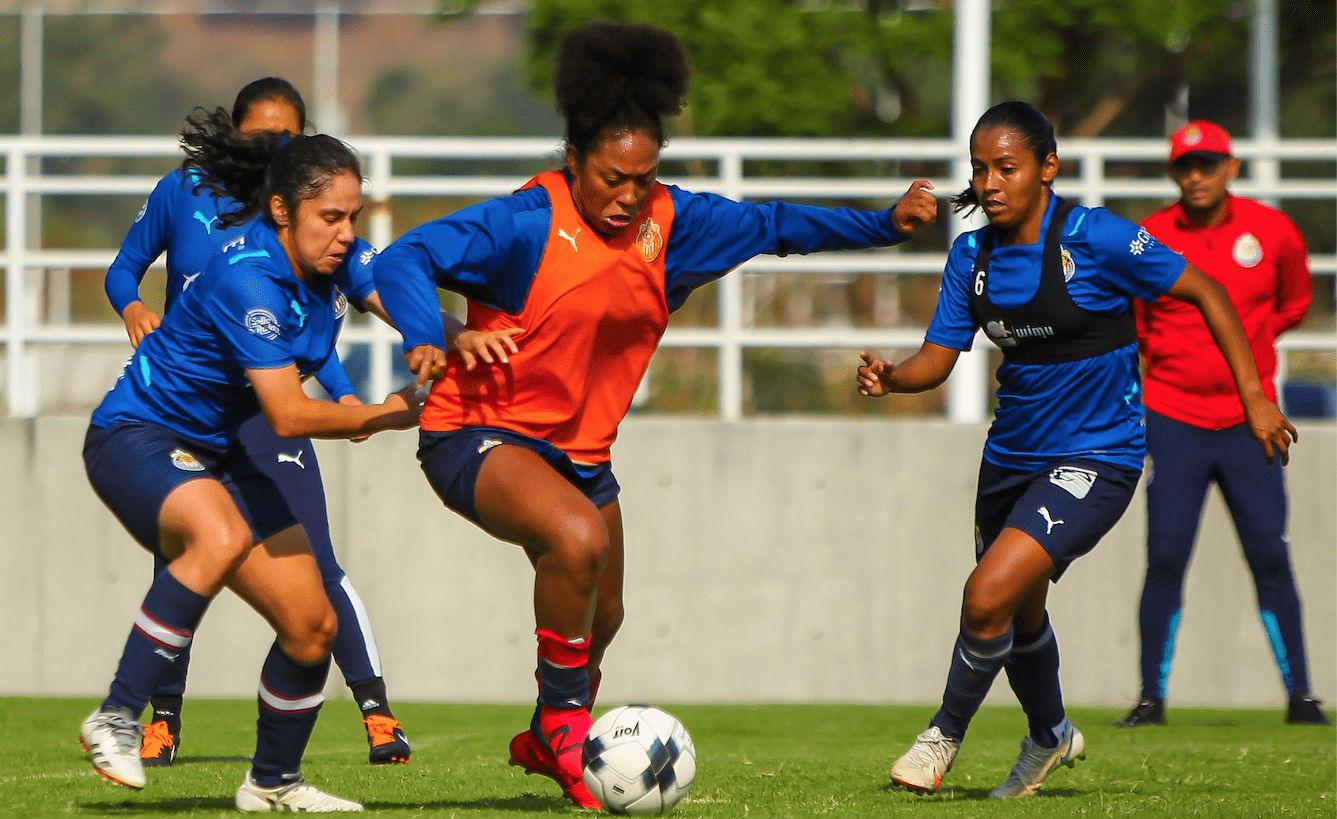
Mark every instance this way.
x=1196 y=434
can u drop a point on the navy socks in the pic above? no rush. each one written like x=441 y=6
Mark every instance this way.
x=975 y=663
x=290 y=698
x=162 y=632
x=1032 y=671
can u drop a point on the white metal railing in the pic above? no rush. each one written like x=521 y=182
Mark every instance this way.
x=723 y=162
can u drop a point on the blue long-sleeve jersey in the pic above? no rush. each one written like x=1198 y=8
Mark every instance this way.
x=490 y=252
x=181 y=218
x=246 y=310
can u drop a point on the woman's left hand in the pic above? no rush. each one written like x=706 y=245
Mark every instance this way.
x=491 y=346
x=917 y=207
x=1270 y=428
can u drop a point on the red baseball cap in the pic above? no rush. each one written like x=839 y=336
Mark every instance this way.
x=1200 y=137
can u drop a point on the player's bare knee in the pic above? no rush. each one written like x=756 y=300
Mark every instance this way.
x=984 y=614
x=310 y=638
x=217 y=551
x=583 y=549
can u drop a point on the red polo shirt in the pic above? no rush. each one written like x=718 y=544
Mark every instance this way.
x=1257 y=254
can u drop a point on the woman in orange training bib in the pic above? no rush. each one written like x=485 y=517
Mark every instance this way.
x=582 y=266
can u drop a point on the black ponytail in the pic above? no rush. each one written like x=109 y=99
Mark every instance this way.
x=252 y=168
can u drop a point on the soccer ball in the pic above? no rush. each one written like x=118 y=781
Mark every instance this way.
x=638 y=759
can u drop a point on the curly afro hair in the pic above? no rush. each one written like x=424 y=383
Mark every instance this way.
x=618 y=75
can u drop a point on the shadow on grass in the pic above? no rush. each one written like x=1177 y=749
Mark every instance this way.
x=204 y=760
x=177 y=805
x=524 y=803
x=946 y=793
x=952 y=793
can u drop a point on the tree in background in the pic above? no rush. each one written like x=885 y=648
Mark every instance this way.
x=882 y=67
x=103 y=76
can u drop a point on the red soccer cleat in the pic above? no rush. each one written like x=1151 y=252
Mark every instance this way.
x=558 y=757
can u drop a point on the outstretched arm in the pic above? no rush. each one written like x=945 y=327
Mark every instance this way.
x=292 y=414
x=922 y=371
x=1266 y=423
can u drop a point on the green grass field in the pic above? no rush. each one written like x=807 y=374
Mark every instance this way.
x=755 y=761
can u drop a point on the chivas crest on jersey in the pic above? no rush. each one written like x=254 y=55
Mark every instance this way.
x=650 y=240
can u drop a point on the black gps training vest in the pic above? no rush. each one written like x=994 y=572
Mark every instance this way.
x=1050 y=328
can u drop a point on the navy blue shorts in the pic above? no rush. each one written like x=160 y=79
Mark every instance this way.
x=260 y=457
x=451 y=461
x=1067 y=506
x=133 y=467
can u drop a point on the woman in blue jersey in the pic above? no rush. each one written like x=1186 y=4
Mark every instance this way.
x=585 y=264
x=162 y=448
x=1052 y=285
x=181 y=217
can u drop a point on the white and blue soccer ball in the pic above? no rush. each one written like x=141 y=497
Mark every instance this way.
x=638 y=759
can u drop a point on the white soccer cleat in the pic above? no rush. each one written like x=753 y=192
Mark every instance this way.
x=112 y=737
x=1036 y=763
x=295 y=796
x=922 y=767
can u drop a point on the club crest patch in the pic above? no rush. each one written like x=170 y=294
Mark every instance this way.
x=262 y=323
x=1069 y=266
x=650 y=240
x=1247 y=251
x=340 y=303
x=1074 y=480
x=185 y=462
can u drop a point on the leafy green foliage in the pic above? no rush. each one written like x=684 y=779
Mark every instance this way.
x=882 y=67
x=766 y=68
x=99 y=68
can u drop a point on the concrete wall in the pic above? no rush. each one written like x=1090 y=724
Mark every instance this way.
x=766 y=561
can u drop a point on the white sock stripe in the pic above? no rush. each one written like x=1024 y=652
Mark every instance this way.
x=161 y=633
x=278 y=702
x=1039 y=642
x=993 y=656
x=975 y=649
x=363 y=625
x=551 y=664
